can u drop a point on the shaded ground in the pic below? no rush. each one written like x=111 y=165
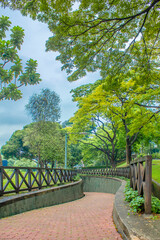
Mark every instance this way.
x=89 y=218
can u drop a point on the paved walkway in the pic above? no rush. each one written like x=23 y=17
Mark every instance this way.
x=89 y=218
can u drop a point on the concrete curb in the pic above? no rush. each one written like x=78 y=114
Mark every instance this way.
x=133 y=226
x=119 y=210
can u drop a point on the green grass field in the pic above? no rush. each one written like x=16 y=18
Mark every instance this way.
x=155 y=169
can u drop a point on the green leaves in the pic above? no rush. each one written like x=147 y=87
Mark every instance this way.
x=155 y=205
x=17 y=36
x=137 y=202
x=30 y=76
x=45 y=106
x=45 y=141
x=14 y=146
x=10 y=92
x=12 y=75
x=4 y=26
x=108 y=36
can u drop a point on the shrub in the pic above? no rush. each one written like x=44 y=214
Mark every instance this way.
x=76 y=178
x=155 y=205
x=137 y=204
x=130 y=194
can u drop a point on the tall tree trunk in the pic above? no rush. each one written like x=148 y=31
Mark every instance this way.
x=106 y=159
x=112 y=162
x=128 y=150
x=39 y=159
x=52 y=166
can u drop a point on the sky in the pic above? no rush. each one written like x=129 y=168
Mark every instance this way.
x=13 y=115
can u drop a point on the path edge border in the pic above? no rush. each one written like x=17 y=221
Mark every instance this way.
x=20 y=203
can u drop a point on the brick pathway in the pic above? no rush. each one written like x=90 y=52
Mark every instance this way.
x=89 y=218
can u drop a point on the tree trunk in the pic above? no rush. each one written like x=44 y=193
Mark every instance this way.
x=113 y=161
x=52 y=166
x=128 y=151
x=106 y=159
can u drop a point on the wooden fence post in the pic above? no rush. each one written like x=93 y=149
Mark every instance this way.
x=1 y=181
x=40 y=178
x=148 y=184
x=17 y=180
x=29 y=179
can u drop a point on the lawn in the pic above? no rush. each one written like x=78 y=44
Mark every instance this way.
x=156 y=170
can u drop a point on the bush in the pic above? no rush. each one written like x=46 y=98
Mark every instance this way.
x=23 y=162
x=76 y=178
x=130 y=194
x=156 y=155
x=137 y=202
x=155 y=205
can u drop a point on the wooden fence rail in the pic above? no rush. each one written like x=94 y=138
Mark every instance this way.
x=17 y=179
x=141 y=179
x=125 y=172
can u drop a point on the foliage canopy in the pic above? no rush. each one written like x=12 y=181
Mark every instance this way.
x=93 y=34
x=12 y=75
x=44 y=106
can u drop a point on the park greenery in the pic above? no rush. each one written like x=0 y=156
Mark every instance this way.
x=42 y=141
x=117 y=115
x=137 y=202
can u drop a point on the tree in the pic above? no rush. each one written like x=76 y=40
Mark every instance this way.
x=130 y=105
x=14 y=147
x=92 y=156
x=119 y=38
x=93 y=34
x=45 y=142
x=75 y=155
x=104 y=136
x=44 y=106
x=12 y=75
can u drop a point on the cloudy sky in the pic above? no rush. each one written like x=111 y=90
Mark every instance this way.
x=12 y=113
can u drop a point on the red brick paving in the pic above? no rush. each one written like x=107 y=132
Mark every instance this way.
x=89 y=218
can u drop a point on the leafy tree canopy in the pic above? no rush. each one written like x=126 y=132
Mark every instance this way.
x=93 y=34
x=12 y=75
x=14 y=146
x=45 y=142
x=44 y=106
x=75 y=155
x=124 y=100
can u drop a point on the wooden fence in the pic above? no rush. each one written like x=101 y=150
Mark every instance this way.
x=17 y=179
x=141 y=179
x=125 y=172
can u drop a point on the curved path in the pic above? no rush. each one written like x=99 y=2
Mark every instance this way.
x=89 y=218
